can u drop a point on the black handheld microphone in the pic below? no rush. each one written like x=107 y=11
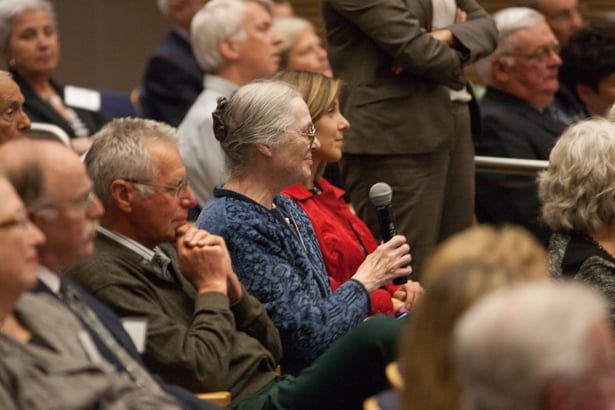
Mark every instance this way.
x=381 y=194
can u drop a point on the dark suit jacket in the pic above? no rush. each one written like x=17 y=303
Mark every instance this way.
x=173 y=79
x=39 y=111
x=513 y=129
x=114 y=325
x=407 y=113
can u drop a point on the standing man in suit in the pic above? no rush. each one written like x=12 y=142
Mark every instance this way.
x=521 y=77
x=173 y=78
x=403 y=61
x=55 y=187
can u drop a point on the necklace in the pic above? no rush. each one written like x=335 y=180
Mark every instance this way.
x=289 y=220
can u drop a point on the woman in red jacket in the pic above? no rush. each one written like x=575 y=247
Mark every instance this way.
x=344 y=239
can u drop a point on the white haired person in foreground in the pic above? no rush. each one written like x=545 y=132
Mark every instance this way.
x=528 y=347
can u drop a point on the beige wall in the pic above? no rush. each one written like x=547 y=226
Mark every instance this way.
x=105 y=43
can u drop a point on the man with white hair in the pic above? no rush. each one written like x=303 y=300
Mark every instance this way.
x=521 y=78
x=544 y=345
x=235 y=42
x=563 y=16
x=173 y=78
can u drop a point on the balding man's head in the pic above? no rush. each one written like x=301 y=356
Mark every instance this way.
x=58 y=193
x=19 y=161
x=13 y=120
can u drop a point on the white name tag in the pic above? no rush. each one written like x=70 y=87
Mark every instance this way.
x=84 y=98
x=136 y=327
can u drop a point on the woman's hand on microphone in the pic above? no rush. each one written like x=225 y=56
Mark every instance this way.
x=390 y=260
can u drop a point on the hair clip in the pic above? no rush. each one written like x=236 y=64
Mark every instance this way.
x=219 y=127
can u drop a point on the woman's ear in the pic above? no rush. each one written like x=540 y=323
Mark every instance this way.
x=264 y=149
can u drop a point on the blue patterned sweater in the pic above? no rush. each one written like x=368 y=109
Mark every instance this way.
x=285 y=271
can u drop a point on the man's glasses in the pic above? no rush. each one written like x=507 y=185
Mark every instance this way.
x=540 y=54
x=176 y=190
x=50 y=211
x=310 y=134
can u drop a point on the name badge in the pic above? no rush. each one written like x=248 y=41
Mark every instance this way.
x=84 y=98
x=136 y=327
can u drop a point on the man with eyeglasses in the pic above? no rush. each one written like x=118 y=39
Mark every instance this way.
x=413 y=120
x=564 y=17
x=235 y=43
x=57 y=191
x=521 y=78
x=38 y=339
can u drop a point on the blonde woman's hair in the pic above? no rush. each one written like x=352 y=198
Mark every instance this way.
x=462 y=269
x=318 y=91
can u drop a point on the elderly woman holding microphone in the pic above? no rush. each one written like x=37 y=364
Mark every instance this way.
x=267 y=135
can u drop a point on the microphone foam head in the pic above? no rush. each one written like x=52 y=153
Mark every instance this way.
x=380 y=194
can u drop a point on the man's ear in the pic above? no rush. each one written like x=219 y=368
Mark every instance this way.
x=500 y=71
x=123 y=194
x=585 y=93
x=229 y=49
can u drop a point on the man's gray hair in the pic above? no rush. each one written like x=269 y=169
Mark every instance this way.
x=578 y=188
x=217 y=21
x=508 y=21
x=20 y=161
x=119 y=152
x=257 y=113
x=513 y=342
x=9 y=9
